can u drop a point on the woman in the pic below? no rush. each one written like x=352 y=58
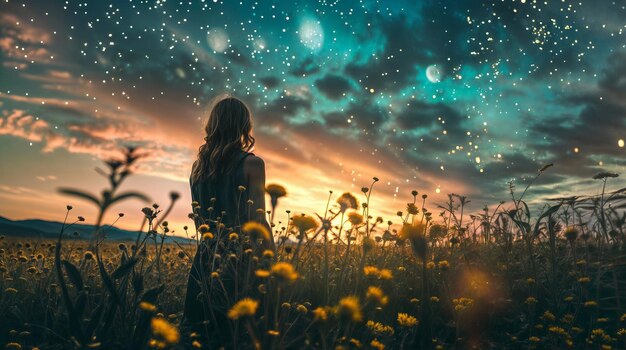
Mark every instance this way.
x=228 y=187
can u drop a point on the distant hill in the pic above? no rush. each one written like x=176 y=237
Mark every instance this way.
x=51 y=229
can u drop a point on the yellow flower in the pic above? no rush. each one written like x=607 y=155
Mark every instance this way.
x=377 y=345
x=164 y=331
x=376 y=295
x=406 y=320
x=303 y=223
x=273 y=333
x=385 y=274
x=416 y=235
x=557 y=330
x=462 y=304
x=302 y=309
x=349 y=308
x=10 y=290
x=320 y=314
x=584 y=280
x=233 y=236
x=434 y=299
x=13 y=346
x=268 y=254
x=548 y=316
x=371 y=271
x=275 y=191
x=256 y=230
x=531 y=301
x=196 y=344
x=244 y=307
x=284 y=271
x=204 y=228
x=444 y=264
x=379 y=329
x=430 y=265
x=591 y=303
x=530 y=280
x=207 y=236
x=262 y=273
x=144 y=305
x=355 y=218
x=534 y=339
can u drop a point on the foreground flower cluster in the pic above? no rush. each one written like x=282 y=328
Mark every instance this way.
x=341 y=280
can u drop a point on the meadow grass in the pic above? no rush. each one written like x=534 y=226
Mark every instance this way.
x=445 y=279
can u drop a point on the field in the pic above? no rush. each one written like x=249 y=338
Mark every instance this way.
x=434 y=278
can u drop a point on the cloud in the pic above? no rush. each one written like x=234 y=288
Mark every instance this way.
x=333 y=86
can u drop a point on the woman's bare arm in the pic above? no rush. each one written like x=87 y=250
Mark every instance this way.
x=254 y=170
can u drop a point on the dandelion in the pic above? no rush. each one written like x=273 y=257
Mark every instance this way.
x=244 y=307
x=548 y=316
x=302 y=309
x=376 y=296
x=434 y=299
x=233 y=236
x=534 y=339
x=557 y=330
x=284 y=272
x=371 y=271
x=530 y=281
x=349 y=308
x=207 y=236
x=268 y=254
x=415 y=235
x=14 y=346
x=375 y=344
x=256 y=230
x=379 y=329
x=146 y=306
x=385 y=274
x=196 y=344
x=462 y=304
x=368 y=244
x=443 y=265
x=320 y=314
x=584 y=280
x=431 y=265
x=531 y=301
x=347 y=201
x=165 y=333
x=204 y=228
x=591 y=303
x=262 y=273
x=406 y=320
x=355 y=218
x=273 y=333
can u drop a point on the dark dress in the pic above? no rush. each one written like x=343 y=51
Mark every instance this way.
x=231 y=201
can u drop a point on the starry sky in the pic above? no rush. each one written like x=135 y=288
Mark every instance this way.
x=437 y=96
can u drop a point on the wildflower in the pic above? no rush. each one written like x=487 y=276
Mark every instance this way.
x=347 y=201
x=262 y=273
x=303 y=223
x=621 y=332
x=275 y=190
x=567 y=318
x=549 y=316
x=406 y=320
x=377 y=345
x=302 y=309
x=568 y=298
x=368 y=244
x=557 y=330
x=371 y=271
x=349 y=308
x=604 y=175
x=165 y=333
x=531 y=301
x=196 y=344
x=215 y=274
x=15 y=346
x=233 y=236
x=379 y=328
x=623 y=317
x=385 y=274
x=444 y=265
x=284 y=271
x=534 y=339
x=241 y=188
x=415 y=234
x=320 y=314
x=256 y=230
x=146 y=306
x=584 y=280
x=431 y=265
x=571 y=233
x=206 y=236
x=462 y=304
x=602 y=320
x=591 y=303
x=530 y=280
x=376 y=295
x=244 y=307
x=204 y=228
x=355 y=218
x=434 y=299
x=268 y=254
x=273 y=333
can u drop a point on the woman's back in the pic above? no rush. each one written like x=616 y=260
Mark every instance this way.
x=223 y=197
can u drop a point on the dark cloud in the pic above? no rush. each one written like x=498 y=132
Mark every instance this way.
x=333 y=86
x=270 y=82
x=307 y=67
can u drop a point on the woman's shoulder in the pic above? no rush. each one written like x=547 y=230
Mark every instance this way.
x=252 y=163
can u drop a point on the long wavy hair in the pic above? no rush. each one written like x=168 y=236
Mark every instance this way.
x=227 y=132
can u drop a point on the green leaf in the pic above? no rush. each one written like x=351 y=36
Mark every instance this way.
x=80 y=194
x=73 y=274
x=129 y=195
x=545 y=214
x=124 y=268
